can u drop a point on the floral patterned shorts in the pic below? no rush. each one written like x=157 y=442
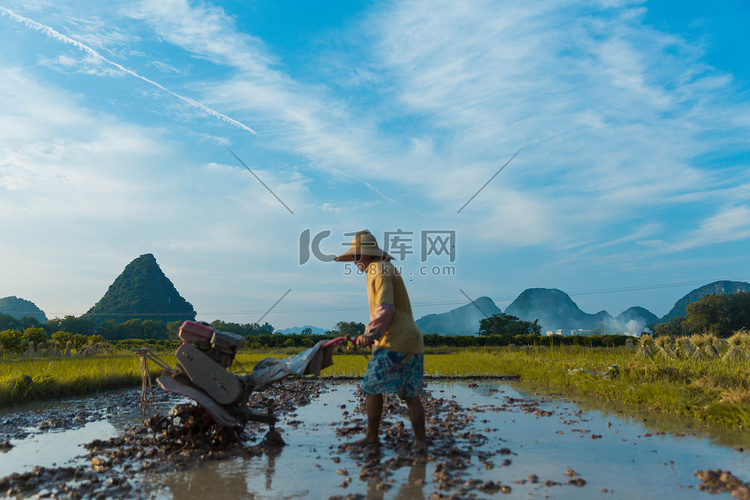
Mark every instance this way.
x=389 y=372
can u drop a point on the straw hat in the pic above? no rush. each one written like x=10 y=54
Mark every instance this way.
x=363 y=243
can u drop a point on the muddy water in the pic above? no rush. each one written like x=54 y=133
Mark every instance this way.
x=533 y=445
x=558 y=442
x=52 y=434
x=301 y=469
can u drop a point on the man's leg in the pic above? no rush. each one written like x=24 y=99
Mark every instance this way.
x=374 y=406
x=416 y=415
x=371 y=385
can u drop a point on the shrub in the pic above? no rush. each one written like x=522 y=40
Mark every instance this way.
x=36 y=335
x=76 y=340
x=11 y=340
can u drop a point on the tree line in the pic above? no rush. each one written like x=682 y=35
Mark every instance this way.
x=717 y=314
x=79 y=332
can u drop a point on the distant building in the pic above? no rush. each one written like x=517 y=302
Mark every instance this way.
x=567 y=333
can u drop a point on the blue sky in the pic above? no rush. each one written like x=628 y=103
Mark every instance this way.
x=631 y=186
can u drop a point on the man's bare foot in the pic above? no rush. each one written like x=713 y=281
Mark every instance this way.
x=366 y=442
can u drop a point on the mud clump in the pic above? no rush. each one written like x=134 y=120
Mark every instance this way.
x=70 y=482
x=719 y=481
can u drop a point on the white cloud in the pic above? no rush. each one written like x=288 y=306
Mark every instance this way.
x=98 y=33
x=95 y=58
x=165 y=67
x=87 y=64
x=614 y=119
x=515 y=220
x=204 y=30
x=731 y=223
x=482 y=79
x=588 y=92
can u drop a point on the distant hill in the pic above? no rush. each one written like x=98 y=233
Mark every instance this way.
x=20 y=308
x=141 y=291
x=717 y=287
x=463 y=320
x=639 y=314
x=633 y=321
x=555 y=310
x=298 y=329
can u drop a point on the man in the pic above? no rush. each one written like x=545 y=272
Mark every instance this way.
x=397 y=361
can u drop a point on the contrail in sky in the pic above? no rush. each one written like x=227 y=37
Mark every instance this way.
x=51 y=32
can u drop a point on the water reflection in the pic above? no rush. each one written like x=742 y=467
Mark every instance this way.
x=271 y=454
x=54 y=448
x=411 y=489
x=379 y=474
x=234 y=478
x=216 y=480
x=415 y=482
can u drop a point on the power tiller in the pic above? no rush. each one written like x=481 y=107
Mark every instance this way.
x=202 y=373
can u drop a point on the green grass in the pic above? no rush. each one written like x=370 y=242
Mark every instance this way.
x=712 y=390
x=61 y=377
x=456 y=363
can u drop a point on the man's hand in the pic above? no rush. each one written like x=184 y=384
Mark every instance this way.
x=363 y=341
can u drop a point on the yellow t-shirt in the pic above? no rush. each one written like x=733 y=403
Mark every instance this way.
x=386 y=287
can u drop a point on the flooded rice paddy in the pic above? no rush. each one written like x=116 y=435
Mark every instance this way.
x=487 y=439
